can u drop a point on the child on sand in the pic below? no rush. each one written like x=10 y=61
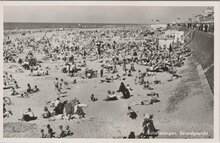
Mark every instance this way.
x=42 y=134
x=62 y=133
x=50 y=132
x=68 y=132
x=132 y=114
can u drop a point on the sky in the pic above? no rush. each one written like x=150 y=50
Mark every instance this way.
x=98 y=14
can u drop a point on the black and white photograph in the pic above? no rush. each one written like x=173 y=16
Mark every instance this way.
x=111 y=71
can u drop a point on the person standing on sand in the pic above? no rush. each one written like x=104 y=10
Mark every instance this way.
x=56 y=83
x=101 y=72
x=50 y=132
x=124 y=66
x=132 y=67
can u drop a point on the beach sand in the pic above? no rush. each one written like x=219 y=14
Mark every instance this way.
x=182 y=107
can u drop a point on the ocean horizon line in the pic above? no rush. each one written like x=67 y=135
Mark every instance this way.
x=81 y=23
x=42 y=25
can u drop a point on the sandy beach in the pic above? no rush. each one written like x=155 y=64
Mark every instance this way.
x=183 y=106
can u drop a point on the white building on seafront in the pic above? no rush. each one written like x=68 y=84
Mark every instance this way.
x=165 y=42
x=175 y=34
x=169 y=37
x=158 y=26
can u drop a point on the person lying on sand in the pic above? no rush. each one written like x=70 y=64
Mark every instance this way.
x=13 y=92
x=36 y=89
x=150 y=101
x=111 y=96
x=39 y=72
x=93 y=99
x=174 y=76
x=24 y=95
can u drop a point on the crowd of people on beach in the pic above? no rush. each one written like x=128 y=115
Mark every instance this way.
x=112 y=48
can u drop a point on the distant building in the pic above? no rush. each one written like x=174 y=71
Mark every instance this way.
x=165 y=42
x=208 y=12
x=206 y=16
x=158 y=26
x=198 y=18
x=177 y=35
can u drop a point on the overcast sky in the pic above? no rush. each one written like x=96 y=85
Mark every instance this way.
x=97 y=14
